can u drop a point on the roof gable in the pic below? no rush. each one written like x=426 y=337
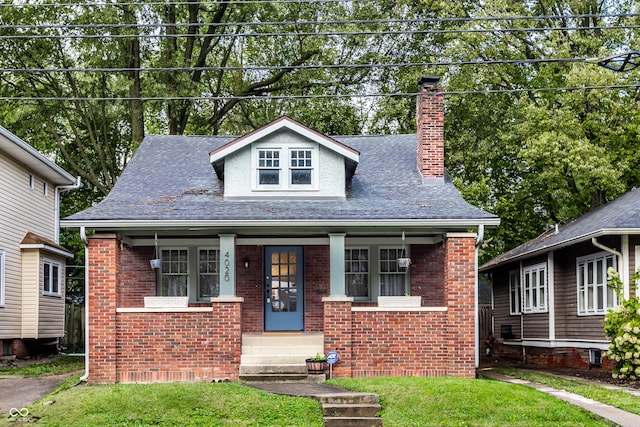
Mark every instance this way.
x=218 y=155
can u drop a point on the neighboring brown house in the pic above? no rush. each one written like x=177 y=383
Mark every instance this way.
x=281 y=244
x=551 y=293
x=32 y=263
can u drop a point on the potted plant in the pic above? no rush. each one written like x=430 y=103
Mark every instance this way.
x=316 y=364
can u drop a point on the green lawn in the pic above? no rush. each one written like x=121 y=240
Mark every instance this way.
x=462 y=402
x=58 y=365
x=406 y=402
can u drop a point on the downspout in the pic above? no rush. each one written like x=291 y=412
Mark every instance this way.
x=594 y=242
x=479 y=239
x=83 y=236
x=59 y=190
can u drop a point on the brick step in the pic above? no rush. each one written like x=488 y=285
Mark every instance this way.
x=350 y=409
x=352 y=422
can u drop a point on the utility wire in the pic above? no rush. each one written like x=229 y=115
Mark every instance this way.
x=298 y=67
x=281 y=97
x=168 y=3
x=314 y=34
x=66 y=27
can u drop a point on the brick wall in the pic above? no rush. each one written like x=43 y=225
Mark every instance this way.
x=427 y=274
x=459 y=285
x=249 y=284
x=157 y=347
x=316 y=276
x=104 y=257
x=137 y=278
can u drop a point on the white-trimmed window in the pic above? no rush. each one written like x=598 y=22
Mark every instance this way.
x=45 y=188
x=51 y=277
x=392 y=277
x=269 y=167
x=595 y=296
x=174 y=274
x=301 y=167
x=208 y=273
x=515 y=292
x=32 y=182
x=534 y=288
x=1 y=277
x=356 y=266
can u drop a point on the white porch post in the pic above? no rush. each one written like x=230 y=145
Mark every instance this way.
x=336 y=262
x=227 y=265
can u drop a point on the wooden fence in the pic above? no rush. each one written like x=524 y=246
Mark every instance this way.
x=74 y=327
x=485 y=325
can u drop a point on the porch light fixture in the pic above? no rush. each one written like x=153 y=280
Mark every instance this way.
x=403 y=262
x=156 y=262
x=246 y=262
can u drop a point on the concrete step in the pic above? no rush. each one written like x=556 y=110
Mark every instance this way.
x=272 y=359
x=284 y=368
x=350 y=409
x=348 y=398
x=283 y=339
x=352 y=422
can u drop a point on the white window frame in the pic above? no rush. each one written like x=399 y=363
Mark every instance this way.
x=593 y=290
x=163 y=273
x=285 y=168
x=49 y=266
x=45 y=188
x=32 y=181
x=403 y=253
x=515 y=293
x=2 y=282
x=535 y=294
x=201 y=273
x=367 y=273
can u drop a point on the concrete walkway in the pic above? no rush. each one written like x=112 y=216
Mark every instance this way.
x=618 y=416
x=19 y=392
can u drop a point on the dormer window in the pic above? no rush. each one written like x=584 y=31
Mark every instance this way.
x=301 y=167
x=269 y=167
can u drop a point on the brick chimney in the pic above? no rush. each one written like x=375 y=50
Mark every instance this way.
x=430 y=130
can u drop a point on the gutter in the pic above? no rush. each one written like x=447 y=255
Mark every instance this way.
x=621 y=265
x=83 y=237
x=59 y=190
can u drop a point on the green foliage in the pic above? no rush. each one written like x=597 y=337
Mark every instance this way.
x=622 y=327
x=58 y=365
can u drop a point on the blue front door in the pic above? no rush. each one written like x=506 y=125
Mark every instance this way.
x=284 y=289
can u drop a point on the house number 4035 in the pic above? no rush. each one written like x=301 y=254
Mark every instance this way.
x=227 y=262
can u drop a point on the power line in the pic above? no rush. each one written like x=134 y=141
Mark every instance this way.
x=66 y=27
x=168 y=3
x=333 y=96
x=297 y=67
x=314 y=34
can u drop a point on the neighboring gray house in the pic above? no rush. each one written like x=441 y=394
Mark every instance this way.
x=32 y=263
x=551 y=293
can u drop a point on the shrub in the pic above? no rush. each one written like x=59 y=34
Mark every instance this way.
x=622 y=327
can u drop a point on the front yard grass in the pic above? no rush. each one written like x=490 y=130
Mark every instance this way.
x=57 y=365
x=617 y=398
x=406 y=401
x=411 y=401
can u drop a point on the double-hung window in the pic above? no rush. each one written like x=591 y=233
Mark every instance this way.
x=208 y=273
x=392 y=277
x=269 y=167
x=534 y=288
x=595 y=296
x=301 y=167
x=51 y=277
x=174 y=274
x=515 y=292
x=357 y=272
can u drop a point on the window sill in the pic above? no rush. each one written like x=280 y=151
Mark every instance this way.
x=164 y=309
x=49 y=294
x=433 y=309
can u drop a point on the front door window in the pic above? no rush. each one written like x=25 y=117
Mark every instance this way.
x=284 y=288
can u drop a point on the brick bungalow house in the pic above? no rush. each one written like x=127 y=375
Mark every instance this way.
x=551 y=293
x=281 y=244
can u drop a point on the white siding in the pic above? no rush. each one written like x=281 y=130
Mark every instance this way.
x=22 y=210
x=239 y=169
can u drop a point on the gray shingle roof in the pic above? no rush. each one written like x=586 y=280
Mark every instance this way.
x=621 y=215
x=170 y=178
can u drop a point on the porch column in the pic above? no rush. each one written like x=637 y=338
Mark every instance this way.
x=227 y=265
x=336 y=264
x=459 y=286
